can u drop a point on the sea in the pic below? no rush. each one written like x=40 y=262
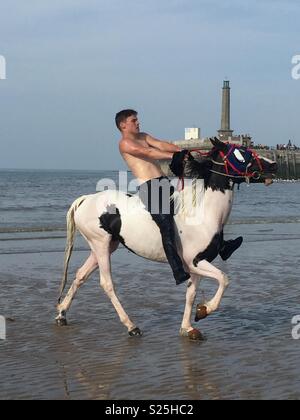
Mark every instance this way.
x=251 y=347
x=38 y=200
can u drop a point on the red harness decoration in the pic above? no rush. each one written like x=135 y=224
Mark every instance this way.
x=228 y=163
x=181 y=180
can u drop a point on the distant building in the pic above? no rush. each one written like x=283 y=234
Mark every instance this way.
x=192 y=133
x=242 y=140
x=225 y=132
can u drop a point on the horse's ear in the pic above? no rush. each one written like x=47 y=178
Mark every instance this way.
x=218 y=144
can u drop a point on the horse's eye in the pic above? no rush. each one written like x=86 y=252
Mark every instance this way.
x=239 y=156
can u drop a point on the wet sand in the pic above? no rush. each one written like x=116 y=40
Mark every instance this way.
x=249 y=352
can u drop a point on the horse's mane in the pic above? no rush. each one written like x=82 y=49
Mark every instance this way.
x=189 y=201
x=198 y=169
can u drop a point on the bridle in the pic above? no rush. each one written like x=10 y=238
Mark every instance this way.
x=229 y=165
x=237 y=173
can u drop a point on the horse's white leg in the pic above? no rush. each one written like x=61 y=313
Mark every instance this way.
x=82 y=275
x=190 y=299
x=102 y=250
x=205 y=269
x=187 y=329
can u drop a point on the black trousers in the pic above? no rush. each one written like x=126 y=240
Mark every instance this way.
x=155 y=195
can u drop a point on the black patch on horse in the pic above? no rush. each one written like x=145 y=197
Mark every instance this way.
x=111 y=222
x=212 y=251
x=219 y=183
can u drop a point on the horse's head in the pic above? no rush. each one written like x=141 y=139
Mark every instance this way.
x=241 y=164
x=230 y=163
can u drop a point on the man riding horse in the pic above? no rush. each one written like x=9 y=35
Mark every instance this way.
x=141 y=153
x=192 y=239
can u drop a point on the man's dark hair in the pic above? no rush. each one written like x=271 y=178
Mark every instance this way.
x=123 y=115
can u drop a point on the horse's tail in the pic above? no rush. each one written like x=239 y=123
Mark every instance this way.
x=71 y=230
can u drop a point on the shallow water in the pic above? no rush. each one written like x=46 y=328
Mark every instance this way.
x=249 y=351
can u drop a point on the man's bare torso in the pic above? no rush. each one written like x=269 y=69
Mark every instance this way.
x=143 y=168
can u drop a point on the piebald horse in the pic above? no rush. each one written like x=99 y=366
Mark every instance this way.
x=109 y=218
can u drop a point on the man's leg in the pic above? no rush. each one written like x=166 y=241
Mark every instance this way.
x=165 y=223
x=155 y=195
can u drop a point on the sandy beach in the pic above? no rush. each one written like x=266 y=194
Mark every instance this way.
x=248 y=353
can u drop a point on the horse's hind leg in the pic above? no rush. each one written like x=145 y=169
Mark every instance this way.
x=82 y=275
x=102 y=250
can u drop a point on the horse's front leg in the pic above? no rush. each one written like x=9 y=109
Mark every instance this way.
x=187 y=329
x=205 y=269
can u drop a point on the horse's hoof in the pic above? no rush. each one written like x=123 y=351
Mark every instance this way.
x=61 y=320
x=201 y=312
x=136 y=332
x=194 y=334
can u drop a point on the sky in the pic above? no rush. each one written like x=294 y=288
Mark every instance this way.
x=72 y=64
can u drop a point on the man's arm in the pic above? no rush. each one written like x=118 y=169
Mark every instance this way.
x=141 y=152
x=161 y=145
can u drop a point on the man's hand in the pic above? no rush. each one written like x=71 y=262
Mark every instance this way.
x=178 y=162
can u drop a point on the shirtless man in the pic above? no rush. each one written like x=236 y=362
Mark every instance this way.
x=141 y=153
